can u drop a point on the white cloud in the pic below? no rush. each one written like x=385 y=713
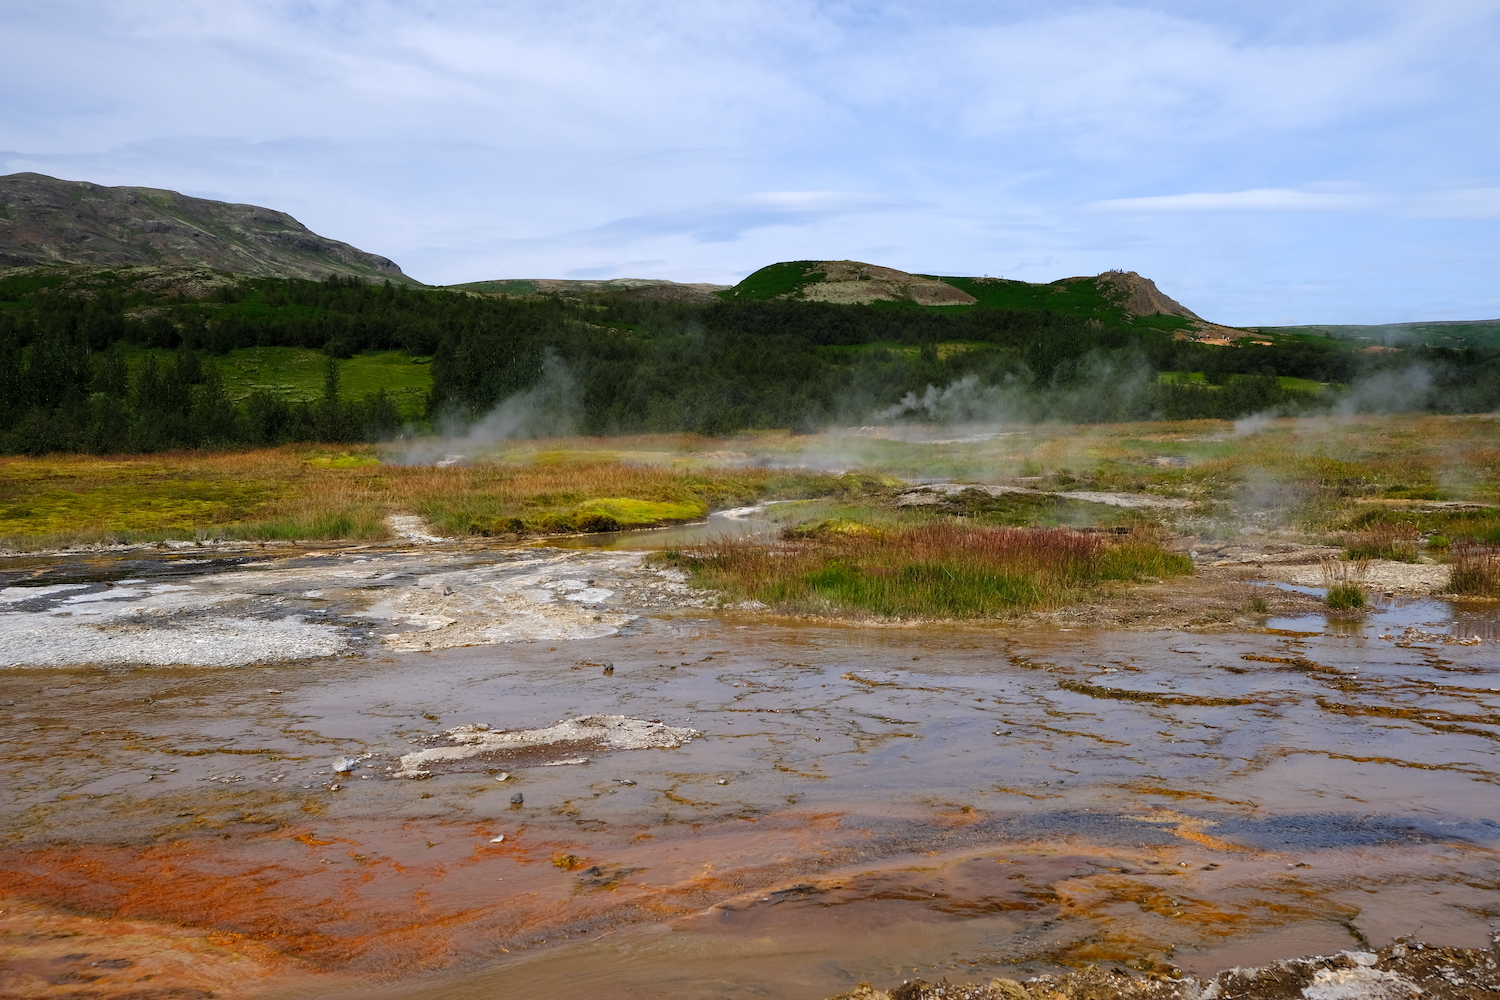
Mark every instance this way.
x=1255 y=200
x=731 y=218
x=1456 y=203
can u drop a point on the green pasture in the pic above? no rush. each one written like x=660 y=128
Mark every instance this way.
x=297 y=374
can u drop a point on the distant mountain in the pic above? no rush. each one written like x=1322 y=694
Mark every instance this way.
x=44 y=220
x=1121 y=296
x=647 y=288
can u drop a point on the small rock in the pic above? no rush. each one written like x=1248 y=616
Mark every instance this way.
x=722 y=781
x=609 y=669
x=517 y=799
x=497 y=840
x=502 y=776
x=345 y=764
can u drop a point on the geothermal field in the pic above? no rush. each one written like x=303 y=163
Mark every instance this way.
x=1102 y=711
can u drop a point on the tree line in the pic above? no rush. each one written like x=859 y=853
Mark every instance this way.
x=628 y=362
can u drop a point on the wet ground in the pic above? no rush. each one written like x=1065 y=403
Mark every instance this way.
x=857 y=803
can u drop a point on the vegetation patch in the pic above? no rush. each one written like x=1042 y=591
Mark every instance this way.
x=294 y=493
x=1384 y=540
x=1475 y=570
x=1343 y=582
x=936 y=570
x=775 y=281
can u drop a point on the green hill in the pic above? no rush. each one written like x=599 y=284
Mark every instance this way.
x=1112 y=297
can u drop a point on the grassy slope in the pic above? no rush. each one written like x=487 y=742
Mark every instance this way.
x=1076 y=298
x=773 y=281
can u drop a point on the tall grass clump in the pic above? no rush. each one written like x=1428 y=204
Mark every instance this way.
x=1384 y=540
x=938 y=569
x=1344 y=584
x=1475 y=570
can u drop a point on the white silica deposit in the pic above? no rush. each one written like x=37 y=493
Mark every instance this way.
x=597 y=732
x=148 y=624
x=540 y=595
x=306 y=605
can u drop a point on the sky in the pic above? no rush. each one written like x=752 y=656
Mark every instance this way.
x=1265 y=162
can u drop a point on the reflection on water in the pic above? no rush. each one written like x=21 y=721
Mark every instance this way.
x=866 y=803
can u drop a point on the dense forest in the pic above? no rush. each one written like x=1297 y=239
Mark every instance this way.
x=75 y=372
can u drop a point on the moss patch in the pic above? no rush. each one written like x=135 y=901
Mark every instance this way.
x=628 y=513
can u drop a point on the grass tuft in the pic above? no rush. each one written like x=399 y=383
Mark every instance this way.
x=1345 y=589
x=1475 y=570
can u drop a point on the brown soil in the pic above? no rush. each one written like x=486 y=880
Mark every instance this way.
x=1398 y=972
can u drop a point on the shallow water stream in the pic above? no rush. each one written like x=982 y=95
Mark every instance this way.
x=863 y=803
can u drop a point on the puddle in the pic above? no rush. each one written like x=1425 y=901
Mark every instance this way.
x=854 y=803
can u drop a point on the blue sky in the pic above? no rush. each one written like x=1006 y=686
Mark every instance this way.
x=1265 y=162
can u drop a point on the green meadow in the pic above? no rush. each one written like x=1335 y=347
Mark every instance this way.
x=297 y=374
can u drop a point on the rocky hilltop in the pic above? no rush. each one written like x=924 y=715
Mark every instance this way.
x=44 y=220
